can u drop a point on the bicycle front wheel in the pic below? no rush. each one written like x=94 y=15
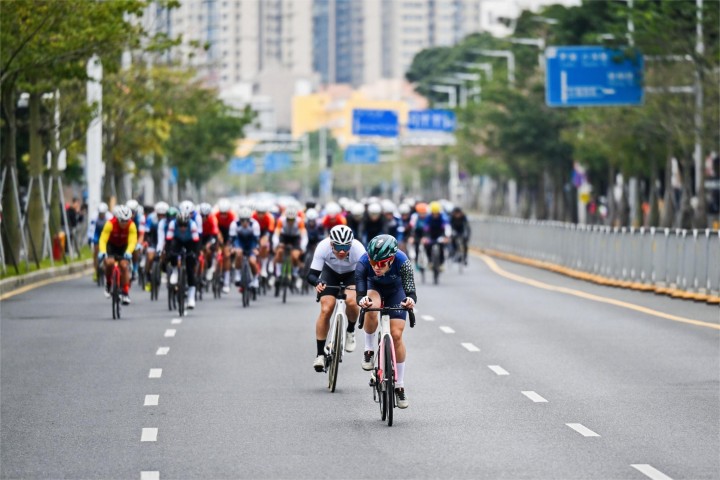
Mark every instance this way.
x=116 y=294
x=181 y=292
x=335 y=353
x=389 y=373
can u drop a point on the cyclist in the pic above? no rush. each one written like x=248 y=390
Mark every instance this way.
x=384 y=276
x=94 y=230
x=374 y=224
x=460 y=231
x=267 y=226
x=183 y=233
x=139 y=219
x=393 y=223
x=417 y=228
x=152 y=235
x=118 y=239
x=405 y=210
x=209 y=237
x=225 y=218
x=333 y=216
x=244 y=237
x=334 y=262
x=355 y=219
x=436 y=230
x=289 y=233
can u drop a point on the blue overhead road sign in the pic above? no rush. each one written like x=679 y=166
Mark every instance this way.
x=379 y=123
x=432 y=120
x=276 y=161
x=364 y=153
x=592 y=76
x=242 y=166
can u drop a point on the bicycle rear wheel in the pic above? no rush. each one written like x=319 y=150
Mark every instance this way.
x=435 y=252
x=245 y=283
x=335 y=353
x=389 y=374
x=181 y=292
x=116 y=294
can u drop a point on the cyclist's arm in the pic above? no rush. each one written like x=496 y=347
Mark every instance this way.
x=104 y=237
x=303 y=239
x=360 y=280
x=132 y=238
x=408 y=280
x=91 y=231
x=195 y=232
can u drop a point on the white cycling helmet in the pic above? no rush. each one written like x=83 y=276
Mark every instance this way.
x=187 y=205
x=245 y=213
x=388 y=206
x=374 y=209
x=291 y=212
x=312 y=215
x=341 y=235
x=132 y=205
x=404 y=209
x=122 y=213
x=262 y=207
x=332 y=209
x=161 y=208
x=224 y=205
x=103 y=207
x=358 y=210
x=205 y=209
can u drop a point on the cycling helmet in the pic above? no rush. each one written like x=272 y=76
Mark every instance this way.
x=358 y=210
x=132 y=205
x=421 y=208
x=103 y=207
x=388 y=206
x=435 y=207
x=172 y=213
x=183 y=217
x=312 y=215
x=224 y=205
x=245 y=213
x=332 y=209
x=205 y=209
x=122 y=213
x=162 y=208
x=186 y=206
x=374 y=209
x=262 y=208
x=382 y=247
x=341 y=235
x=291 y=212
x=404 y=209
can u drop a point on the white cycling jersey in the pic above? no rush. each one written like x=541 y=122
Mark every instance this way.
x=325 y=256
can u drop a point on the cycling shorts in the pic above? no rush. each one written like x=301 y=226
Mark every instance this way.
x=328 y=276
x=390 y=298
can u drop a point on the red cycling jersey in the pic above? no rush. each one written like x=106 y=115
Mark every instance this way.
x=224 y=220
x=266 y=221
x=331 y=221
x=210 y=226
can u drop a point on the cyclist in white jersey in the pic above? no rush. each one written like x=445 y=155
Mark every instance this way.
x=334 y=262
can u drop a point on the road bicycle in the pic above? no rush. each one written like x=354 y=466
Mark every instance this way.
x=385 y=371
x=285 y=281
x=335 y=345
x=177 y=293
x=200 y=277
x=115 y=289
x=420 y=259
x=305 y=288
x=245 y=279
x=435 y=260
x=217 y=278
x=155 y=281
x=459 y=252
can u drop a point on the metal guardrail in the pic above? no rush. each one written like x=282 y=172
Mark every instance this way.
x=687 y=260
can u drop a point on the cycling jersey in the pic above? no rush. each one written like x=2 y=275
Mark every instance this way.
x=331 y=221
x=96 y=227
x=210 y=226
x=325 y=256
x=245 y=237
x=437 y=226
x=117 y=236
x=152 y=222
x=373 y=228
x=290 y=233
x=183 y=235
x=266 y=222
x=460 y=225
x=315 y=234
x=394 y=286
x=224 y=221
x=139 y=220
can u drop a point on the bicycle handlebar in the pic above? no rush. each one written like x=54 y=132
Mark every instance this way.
x=339 y=288
x=361 y=318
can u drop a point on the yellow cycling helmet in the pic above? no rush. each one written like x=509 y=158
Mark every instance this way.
x=435 y=207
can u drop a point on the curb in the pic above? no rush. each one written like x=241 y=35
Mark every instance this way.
x=14 y=283
x=597 y=279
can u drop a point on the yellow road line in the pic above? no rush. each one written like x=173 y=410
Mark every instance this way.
x=42 y=283
x=569 y=291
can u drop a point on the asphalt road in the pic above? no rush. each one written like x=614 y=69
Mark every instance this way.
x=561 y=387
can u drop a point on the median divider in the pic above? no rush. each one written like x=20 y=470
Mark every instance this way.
x=601 y=280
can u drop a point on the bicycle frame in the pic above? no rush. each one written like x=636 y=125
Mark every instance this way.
x=338 y=320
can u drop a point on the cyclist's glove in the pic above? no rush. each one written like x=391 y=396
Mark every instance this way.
x=127 y=256
x=365 y=302
x=101 y=256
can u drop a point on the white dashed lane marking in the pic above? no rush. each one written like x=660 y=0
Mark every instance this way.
x=176 y=321
x=155 y=373
x=498 y=369
x=582 y=429
x=428 y=318
x=650 y=471
x=447 y=330
x=151 y=400
x=470 y=347
x=149 y=435
x=170 y=332
x=149 y=475
x=162 y=351
x=534 y=397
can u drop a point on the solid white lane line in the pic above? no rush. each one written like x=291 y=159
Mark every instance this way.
x=163 y=351
x=151 y=400
x=534 y=397
x=149 y=435
x=155 y=373
x=149 y=475
x=176 y=321
x=428 y=318
x=582 y=429
x=651 y=472
x=470 y=347
x=498 y=369
x=170 y=332
x=447 y=330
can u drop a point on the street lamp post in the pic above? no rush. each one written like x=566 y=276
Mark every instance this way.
x=506 y=54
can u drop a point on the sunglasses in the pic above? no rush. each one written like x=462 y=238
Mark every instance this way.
x=341 y=248
x=382 y=263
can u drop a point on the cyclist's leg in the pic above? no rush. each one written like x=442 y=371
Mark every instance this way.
x=125 y=276
x=279 y=259
x=254 y=269
x=322 y=325
x=226 y=265
x=190 y=266
x=370 y=328
x=239 y=254
x=109 y=266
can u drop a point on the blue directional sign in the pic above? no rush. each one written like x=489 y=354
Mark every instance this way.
x=380 y=123
x=362 y=153
x=276 y=161
x=242 y=166
x=592 y=76
x=432 y=120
